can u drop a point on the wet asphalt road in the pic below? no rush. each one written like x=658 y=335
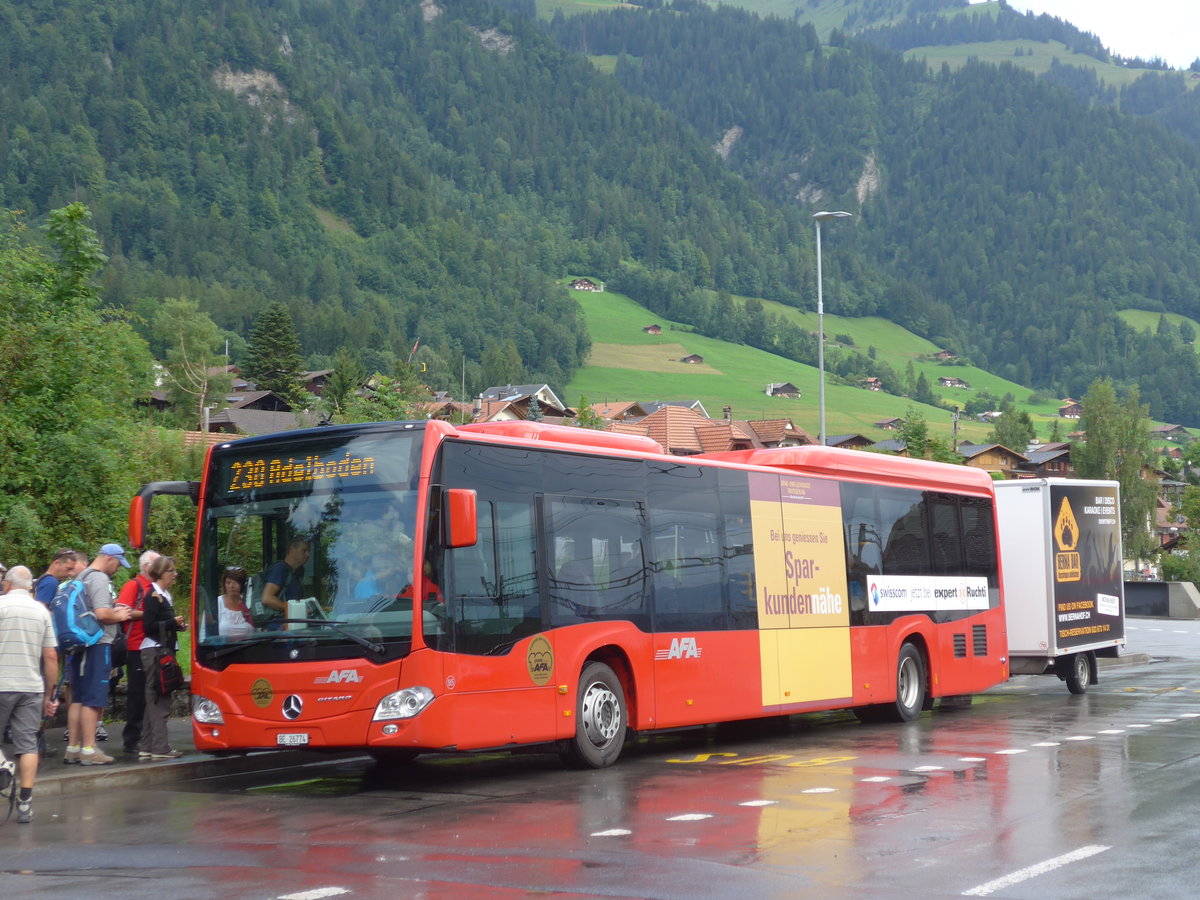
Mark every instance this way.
x=1030 y=792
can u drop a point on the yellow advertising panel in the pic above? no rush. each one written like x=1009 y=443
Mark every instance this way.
x=800 y=571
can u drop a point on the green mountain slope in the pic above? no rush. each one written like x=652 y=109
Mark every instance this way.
x=628 y=364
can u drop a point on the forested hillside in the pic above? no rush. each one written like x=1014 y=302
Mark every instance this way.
x=396 y=171
x=392 y=172
x=1009 y=220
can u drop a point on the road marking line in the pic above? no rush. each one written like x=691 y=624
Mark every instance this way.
x=876 y=779
x=1189 y=715
x=819 y=790
x=1081 y=737
x=1033 y=871
x=612 y=832
x=1163 y=721
x=1139 y=726
x=927 y=769
x=759 y=803
x=1113 y=731
x=1047 y=744
x=689 y=817
x=315 y=894
x=1012 y=752
x=972 y=759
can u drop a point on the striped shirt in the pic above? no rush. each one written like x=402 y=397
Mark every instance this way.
x=25 y=631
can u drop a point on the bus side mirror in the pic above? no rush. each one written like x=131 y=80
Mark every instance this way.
x=462 y=518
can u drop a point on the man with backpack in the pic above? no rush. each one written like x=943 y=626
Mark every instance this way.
x=28 y=668
x=88 y=668
x=133 y=594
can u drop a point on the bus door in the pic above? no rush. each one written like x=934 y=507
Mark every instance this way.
x=500 y=669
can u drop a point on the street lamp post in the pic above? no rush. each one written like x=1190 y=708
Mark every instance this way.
x=819 y=218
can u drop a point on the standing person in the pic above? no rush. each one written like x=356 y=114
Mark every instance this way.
x=283 y=580
x=89 y=669
x=65 y=564
x=160 y=625
x=28 y=668
x=133 y=594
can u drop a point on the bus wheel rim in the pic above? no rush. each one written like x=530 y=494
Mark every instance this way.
x=600 y=714
x=907 y=687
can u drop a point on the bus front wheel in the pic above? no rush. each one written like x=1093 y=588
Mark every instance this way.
x=600 y=719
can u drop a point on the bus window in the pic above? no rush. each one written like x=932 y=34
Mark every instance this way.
x=493 y=596
x=594 y=552
x=688 y=555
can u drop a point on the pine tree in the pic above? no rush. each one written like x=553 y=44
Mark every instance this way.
x=273 y=359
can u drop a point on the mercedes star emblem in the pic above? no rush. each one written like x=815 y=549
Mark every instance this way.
x=292 y=705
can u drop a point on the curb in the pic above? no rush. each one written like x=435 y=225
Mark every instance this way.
x=85 y=779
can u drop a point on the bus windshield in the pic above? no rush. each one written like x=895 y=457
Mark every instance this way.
x=306 y=547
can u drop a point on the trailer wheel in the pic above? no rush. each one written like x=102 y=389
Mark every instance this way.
x=600 y=719
x=1079 y=673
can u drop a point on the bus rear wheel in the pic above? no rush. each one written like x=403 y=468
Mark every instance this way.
x=910 y=691
x=600 y=719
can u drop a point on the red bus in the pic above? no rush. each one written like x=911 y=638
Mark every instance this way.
x=502 y=584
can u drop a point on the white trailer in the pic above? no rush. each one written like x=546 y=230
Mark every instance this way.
x=1060 y=556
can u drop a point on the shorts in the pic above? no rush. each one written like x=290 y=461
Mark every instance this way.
x=22 y=712
x=88 y=672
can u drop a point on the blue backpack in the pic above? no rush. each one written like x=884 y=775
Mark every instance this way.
x=74 y=623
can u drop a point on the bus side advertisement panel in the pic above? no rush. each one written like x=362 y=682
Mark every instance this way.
x=1085 y=546
x=800 y=570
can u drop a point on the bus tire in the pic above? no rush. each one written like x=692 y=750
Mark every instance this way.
x=910 y=686
x=1079 y=673
x=600 y=719
x=393 y=756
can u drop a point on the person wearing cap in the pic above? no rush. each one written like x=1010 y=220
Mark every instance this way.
x=88 y=670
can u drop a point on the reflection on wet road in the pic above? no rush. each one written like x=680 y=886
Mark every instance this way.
x=1029 y=792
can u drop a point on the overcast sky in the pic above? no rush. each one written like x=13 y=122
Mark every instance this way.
x=1147 y=28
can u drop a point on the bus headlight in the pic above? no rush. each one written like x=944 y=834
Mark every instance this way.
x=206 y=712
x=403 y=704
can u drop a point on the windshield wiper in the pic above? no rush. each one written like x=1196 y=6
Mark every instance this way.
x=252 y=642
x=374 y=646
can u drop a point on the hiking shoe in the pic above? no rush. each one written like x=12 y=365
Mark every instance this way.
x=101 y=732
x=169 y=754
x=24 y=811
x=93 y=757
x=70 y=757
x=144 y=754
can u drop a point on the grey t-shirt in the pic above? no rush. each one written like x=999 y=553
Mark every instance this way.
x=100 y=596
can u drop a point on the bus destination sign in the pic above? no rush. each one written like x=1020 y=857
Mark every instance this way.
x=277 y=472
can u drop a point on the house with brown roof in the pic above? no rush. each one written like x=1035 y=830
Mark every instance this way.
x=889 y=424
x=694 y=359
x=1070 y=409
x=872 y=383
x=586 y=284
x=314 y=382
x=783 y=389
x=1048 y=461
x=653 y=329
x=951 y=382
x=995 y=459
x=848 y=441
x=1176 y=433
x=618 y=411
x=777 y=432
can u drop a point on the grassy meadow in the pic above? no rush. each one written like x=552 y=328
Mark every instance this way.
x=628 y=364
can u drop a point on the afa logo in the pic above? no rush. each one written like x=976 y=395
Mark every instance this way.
x=681 y=648
x=344 y=676
x=539 y=661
